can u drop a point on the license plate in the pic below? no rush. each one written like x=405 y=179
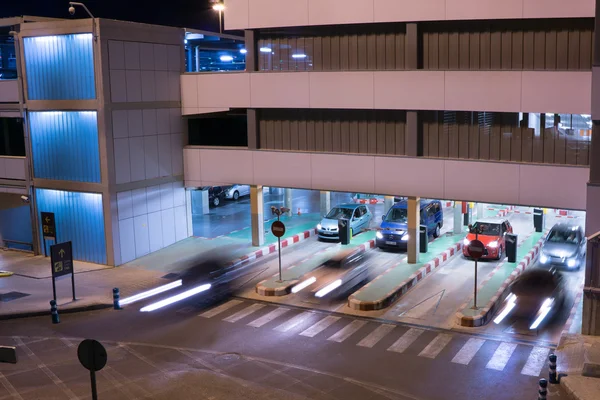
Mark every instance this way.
x=390 y=243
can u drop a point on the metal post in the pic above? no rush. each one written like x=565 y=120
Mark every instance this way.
x=220 y=23
x=552 y=369
x=73 y=284
x=116 y=299
x=279 y=247
x=93 y=381
x=54 y=312
x=53 y=287
x=543 y=389
x=475 y=281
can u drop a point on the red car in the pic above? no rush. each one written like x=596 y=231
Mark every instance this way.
x=491 y=233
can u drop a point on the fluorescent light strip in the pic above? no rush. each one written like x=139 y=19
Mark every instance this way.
x=329 y=288
x=176 y=298
x=304 y=284
x=150 y=293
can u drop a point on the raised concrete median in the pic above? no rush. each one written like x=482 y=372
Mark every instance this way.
x=293 y=275
x=398 y=279
x=494 y=289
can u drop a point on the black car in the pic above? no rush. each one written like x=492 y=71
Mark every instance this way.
x=216 y=194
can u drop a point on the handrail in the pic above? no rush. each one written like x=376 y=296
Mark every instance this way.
x=594 y=236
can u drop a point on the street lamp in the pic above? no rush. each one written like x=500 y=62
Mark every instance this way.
x=279 y=212
x=219 y=6
x=72 y=5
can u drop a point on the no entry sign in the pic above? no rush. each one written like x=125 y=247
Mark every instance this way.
x=278 y=229
x=476 y=249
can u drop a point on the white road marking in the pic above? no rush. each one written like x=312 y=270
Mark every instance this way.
x=501 y=356
x=536 y=360
x=436 y=346
x=244 y=313
x=406 y=340
x=347 y=331
x=468 y=351
x=279 y=311
x=9 y=387
x=293 y=322
x=222 y=308
x=320 y=326
x=374 y=337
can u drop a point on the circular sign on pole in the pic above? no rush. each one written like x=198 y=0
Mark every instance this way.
x=92 y=355
x=476 y=249
x=278 y=229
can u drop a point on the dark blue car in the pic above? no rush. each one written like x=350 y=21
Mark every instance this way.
x=393 y=233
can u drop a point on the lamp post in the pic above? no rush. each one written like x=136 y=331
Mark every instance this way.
x=219 y=6
x=72 y=5
x=279 y=212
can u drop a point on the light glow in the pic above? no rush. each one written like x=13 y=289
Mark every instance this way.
x=543 y=259
x=304 y=284
x=544 y=310
x=571 y=263
x=405 y=238
x=510 y=304
x=176 y=298
x=226 y=58
x=265 y=50
x=243 y=51
x=329 y=288
x=379 y=235
x=219 y=7
x=150 y=293
x=493 y=244
x=298 y=55
x=319 y=226
x=466 y=242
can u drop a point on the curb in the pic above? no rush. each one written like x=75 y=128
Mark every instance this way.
x=287 y=286
x=569 y=322
x=503 y=213
x=408 y=283
x=272 y=248
x=490 y=308
x=72 y=310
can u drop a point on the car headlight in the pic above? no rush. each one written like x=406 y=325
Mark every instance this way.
x=466 y=242
x=405 y=238
x=543 y=258
x=493 y=244
x=319 y=226
x=571 y=262
x=379 y=235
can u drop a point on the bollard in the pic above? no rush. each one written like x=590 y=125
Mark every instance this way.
x=54 y=312
x=116 y=298
x=299 y=213
x=552 y=369
x=542 y=392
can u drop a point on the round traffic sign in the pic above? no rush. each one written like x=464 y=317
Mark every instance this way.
x=278 y=229
x=476 y=249
x=92 y=355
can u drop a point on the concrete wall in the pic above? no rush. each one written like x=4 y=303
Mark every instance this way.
x=490 y=182
x=513 y=91
x=244 y=14
x=13 y=168
x=9 y=91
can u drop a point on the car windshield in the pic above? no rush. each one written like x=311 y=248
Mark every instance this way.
x=563 y=236
x=338 y=213
x=397 y=215
x=487 y=229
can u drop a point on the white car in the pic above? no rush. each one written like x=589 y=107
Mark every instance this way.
x=236 y=191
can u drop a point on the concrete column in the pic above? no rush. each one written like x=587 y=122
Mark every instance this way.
x=287 y=201
x=411 y=48
x=468 y=217
x=325 y=202
x=458 y=217
x=200 y=204
x=253 y=130
x=411 y=134
x=258 y=220
x=251 y=56
x=480 y=211
x=414 y=221
x=388 y=203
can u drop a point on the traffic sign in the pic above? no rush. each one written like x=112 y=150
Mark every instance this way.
x=278 y=229
x=48 y=225
x=92 y=355
x=476 y=249
x=61 y=257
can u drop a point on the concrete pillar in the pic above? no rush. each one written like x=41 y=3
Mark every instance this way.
x=251 y=57
x=468 y=217
x=287 y=201
x=414 y=222
x=325 y=202
x=253 y=129
x=411 y=48
x=480 y=210
x=200 y=204
x=411 y=134
x=258 y=220
x=388 y=203
x=458 y=217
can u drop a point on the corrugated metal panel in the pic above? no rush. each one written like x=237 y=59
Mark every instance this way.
x=79 y=218
x=65 y=145
x=60 y=67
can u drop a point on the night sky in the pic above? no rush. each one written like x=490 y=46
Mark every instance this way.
x=196 y=14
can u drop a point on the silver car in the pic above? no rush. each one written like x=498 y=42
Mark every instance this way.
x=564 y=246
x=236 y=191
x=358 y=215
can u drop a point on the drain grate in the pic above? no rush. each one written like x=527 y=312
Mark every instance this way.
x=10 y=296
x=227 y=357
x=171 y=275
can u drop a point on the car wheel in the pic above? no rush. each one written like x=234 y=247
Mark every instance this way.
x=216 y=201
x=236 y=195
x=436 y=233
x=500 y=253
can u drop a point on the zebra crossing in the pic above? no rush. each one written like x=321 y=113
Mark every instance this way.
x=424 y=343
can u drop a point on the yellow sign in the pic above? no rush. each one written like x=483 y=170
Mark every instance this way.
x=58 y=266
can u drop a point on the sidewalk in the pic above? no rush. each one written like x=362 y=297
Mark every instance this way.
x=48 y=368
x=578 y=356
